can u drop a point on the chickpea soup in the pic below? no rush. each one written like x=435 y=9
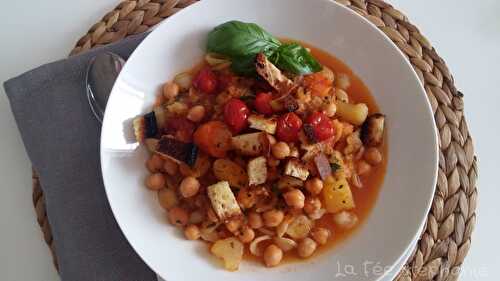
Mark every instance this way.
x=268 y=150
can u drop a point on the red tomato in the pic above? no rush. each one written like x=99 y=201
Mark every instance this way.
x=288 y=128
x=205 y=81
x=321 y=125
x=263 y=103
x=181 y=128
x=213 y=138
x=235 y=115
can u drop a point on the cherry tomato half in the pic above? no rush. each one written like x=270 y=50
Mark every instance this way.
x=263 y=103
x=213 y=138
x=288 y=128
x=235 y=115
x=321 y=125
x=205 y=81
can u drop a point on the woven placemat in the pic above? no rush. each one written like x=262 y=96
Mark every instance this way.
x=446 y=238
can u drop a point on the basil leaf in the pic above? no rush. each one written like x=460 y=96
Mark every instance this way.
x=244 y=65
x=296 y=59
x=240 y=39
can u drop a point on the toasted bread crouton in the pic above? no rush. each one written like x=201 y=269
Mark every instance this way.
x=372 y=131
x=259 y=122
x=257 y=171
x=273 y=75
x=223 y=201
x=252 y=144
x=296 y=169
x=177 y=151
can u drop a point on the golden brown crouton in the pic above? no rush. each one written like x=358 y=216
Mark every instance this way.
x=273 y=75
x=257 y=171
x=223 y=201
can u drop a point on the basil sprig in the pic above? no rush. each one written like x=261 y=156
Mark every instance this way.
x=242 y=41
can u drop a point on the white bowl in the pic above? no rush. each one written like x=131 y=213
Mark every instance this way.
x=178 y=43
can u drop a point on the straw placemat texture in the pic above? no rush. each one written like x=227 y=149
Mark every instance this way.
x=446 y=238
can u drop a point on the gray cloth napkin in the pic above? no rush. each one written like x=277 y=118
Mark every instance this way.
x=61 y=137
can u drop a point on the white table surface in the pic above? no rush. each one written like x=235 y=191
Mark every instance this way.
x=466 y=34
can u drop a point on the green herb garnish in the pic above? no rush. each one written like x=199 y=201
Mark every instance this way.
x=241 y=42
x=295 y=58
x=335 y=167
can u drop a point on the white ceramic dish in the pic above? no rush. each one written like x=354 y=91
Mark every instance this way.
x=178 y=43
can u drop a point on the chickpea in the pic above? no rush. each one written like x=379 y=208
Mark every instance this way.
x=192 y=232
x=255 y=220
x=272 y=255
x=189 y=187
x=196 y=217
x=363 y=167
x=170 y=167
x=330 y=109
x=273 y=218
x=170 y=90
x=233 y=225
x=306 y=247
x=178 y=216
x=343 y=82
x=281 y=150
x=154 y=163
x=321 y=235
x=373 y=156
x=246 y=235
x=168 y=198
x=196 y=113
x=341 y=95
x=314 y=185
x=312 y=205
x=156 y=181
x=294 y=198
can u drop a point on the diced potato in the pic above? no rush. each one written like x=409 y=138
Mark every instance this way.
x=352 y=113
x=227 y=170
x=337 y=195
x=259 y=122
x=223 y=201
x=300 y=227
x=230 y=250
x=296 y=169
x=249 y=144
x=257 y=171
